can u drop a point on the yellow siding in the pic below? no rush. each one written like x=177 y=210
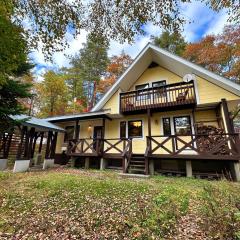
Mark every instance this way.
x=209 y=92
x=139 y=144
x=86 y=131
x=206 y=117
x=156 y=74
x=113 y=103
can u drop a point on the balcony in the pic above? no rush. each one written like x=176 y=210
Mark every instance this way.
x=169 y=97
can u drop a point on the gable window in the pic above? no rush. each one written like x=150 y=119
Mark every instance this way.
x=135 y=129
x=142 y=94
x=159 y=83
x=69 y=133
x=123 y=126
x=182 y=125
x=166 y=126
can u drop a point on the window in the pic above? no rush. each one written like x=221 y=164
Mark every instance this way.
x=142 y=86
x=142 y=95
x=69 y=133
x=135 y=129
x=166 y=126
x=123 y=129
x=159 y=83
x=182 y=125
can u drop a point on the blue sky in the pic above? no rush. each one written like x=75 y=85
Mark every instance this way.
x=203 y=20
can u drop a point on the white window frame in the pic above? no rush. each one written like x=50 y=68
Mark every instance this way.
x=187 y=151
x=132 y=120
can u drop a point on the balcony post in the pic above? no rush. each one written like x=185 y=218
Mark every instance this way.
x=77 y=130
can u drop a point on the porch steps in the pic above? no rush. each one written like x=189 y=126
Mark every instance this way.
x=137 y=164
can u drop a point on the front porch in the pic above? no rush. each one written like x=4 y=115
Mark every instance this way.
x=188 y=149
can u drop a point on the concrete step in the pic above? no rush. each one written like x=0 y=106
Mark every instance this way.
x=133 y=175
x=136 y=170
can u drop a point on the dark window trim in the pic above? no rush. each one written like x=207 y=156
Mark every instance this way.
x=159 y=82
x=140 y=97
x=144 y=84
x=169 y=126
x=190 y=122
x=138 y=120
x=125 y=129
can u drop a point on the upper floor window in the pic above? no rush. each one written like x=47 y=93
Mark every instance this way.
x=159 y=83
x=69 y=133
x=142 y=86
x=142 y=95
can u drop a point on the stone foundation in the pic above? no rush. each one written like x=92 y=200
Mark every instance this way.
x=48 y=163
x=103 y=164
x=37 y=159
x=3 y=164
x=21 y=166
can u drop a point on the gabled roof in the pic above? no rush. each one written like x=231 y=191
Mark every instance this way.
x=39 y=124
x=170 y=61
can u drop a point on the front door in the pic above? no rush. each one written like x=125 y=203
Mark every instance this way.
x=97 y=134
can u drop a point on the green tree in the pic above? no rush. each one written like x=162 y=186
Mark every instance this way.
x=90 y=66
x=13 y=66
x=119 y=20
x=173 y=42
x=52 y=95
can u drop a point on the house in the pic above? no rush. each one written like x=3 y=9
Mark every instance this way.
x=164 y=114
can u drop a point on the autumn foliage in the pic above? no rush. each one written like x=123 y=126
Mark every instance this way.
x=218 y=53
x=117 y=65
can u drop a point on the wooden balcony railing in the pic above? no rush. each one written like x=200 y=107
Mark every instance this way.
x=202 y=146
x=172 y=95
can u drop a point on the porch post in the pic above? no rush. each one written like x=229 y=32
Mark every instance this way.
x=189 y=168
x=228 y=124
x=19 y=152
x=41 y=141
x=22 y=162
x=235 y=169
x=77 y=130
x=149 y=145
x=49 y=138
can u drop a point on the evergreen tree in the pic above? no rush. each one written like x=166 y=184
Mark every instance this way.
x=173 y=42
x=13 y=65
x=90 y=65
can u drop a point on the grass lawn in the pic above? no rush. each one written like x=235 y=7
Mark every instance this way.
x=78 y=204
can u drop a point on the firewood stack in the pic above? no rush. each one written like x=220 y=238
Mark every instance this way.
x=214 y=138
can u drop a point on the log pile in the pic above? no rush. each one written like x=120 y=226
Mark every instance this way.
x=214 y=140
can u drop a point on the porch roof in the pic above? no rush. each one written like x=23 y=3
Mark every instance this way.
x=39 y=124
x=81 y=116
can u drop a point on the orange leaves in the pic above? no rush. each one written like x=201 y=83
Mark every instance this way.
x=219 y=53
x=115 y=68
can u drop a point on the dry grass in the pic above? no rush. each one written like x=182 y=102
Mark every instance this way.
x=77 y=204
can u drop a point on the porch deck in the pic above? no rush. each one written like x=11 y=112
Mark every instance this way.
x=216 y=147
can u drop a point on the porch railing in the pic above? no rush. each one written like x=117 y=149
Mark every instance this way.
x=208 y=146
x=84 y=146
x=156 y=97
x=100 y=147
